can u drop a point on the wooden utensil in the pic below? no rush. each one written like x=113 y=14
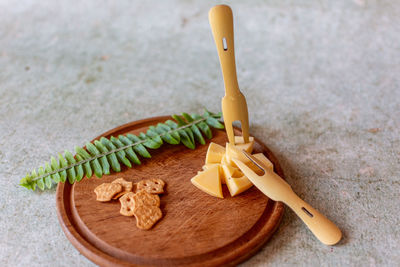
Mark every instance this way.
x=234 y=106
x=196 y=230
x=277 y=189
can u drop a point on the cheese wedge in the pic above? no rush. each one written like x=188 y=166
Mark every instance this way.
x=248 y=147
x=209 y=165
x=221 y=173
x=221 y=169
x=224 y=161
x=233 y=151
x=230 y=171
x=215 y=153
x=235 y=180
x=238 y=185
x=209 y=181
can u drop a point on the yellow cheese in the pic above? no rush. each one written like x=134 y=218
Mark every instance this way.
x=209 y=165
x=221 y=173
x=238 y=185
x=209 y=181
x=248 y=147
x=233 y=151
x=215 y=153
x=235 y=180
x=224 y=161
x=230 y=171
x=220 y=169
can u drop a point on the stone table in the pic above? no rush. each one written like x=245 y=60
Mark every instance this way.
x=321 y=79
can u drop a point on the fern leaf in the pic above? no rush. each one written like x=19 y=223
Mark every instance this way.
x=165 y=134
x=55 y=166
x=71 y=174
x=185 y=138
x=154 y=135
x=182 y=123
x=120 y=154
x=189 y=130
x=168 y=129
x=131 y=155
x=79 y=172
x=81 y=156
x=99 y=156
x=139 y=148
x=147 y=141
x=98 y=168
x=111 y=158
x=63 y=164
x=197 y=134
x=40 y=181
x=47 y=179
x=203 y=126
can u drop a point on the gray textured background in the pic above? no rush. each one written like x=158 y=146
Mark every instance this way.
x=321 y=79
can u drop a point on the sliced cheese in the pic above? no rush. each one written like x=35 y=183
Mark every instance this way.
x=220 y=168
x=248 y=147
x=230 y=171
x=209 y=181
x=235 y=180
x=224 y=161
x=233 y=151
x=209 y=165
x=238 y=185
x=215 y=153
x=221 y=173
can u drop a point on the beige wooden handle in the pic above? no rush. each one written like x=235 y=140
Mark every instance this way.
x=221 y=22
x=325 y=230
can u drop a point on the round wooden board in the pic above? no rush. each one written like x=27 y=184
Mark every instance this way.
x=196 y=229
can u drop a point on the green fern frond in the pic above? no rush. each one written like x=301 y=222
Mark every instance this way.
x=104 y=155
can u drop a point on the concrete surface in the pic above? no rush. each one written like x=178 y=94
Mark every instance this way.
x=321 y=79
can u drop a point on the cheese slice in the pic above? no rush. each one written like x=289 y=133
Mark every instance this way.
x=209 y=181
x=209 y=165
x=215 y=153
x=224 y=161
x=235 y=180
x=230 y=171
x=238 y=185
x=248 y=147
x=221 y=173
x=233 y=151
x=221 y=169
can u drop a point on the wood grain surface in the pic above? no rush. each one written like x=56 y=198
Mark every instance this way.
x=196 y=229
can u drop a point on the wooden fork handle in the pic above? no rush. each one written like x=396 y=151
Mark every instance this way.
x=325 y=230
x=221 y=22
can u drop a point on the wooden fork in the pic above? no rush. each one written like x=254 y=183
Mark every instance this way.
x=234 y=106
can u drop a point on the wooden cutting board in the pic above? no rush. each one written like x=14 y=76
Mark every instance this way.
x=196 y=230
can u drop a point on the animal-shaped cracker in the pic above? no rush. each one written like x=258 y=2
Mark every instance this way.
x=147 y=216
x=127 y=204
x=152 y=186
x=142 y=198
x=106 y=191
x=126 y=187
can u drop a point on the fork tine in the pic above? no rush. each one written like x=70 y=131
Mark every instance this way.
x=245 y=131
x=244 y=168
x=254 y=160
x=229 y=132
